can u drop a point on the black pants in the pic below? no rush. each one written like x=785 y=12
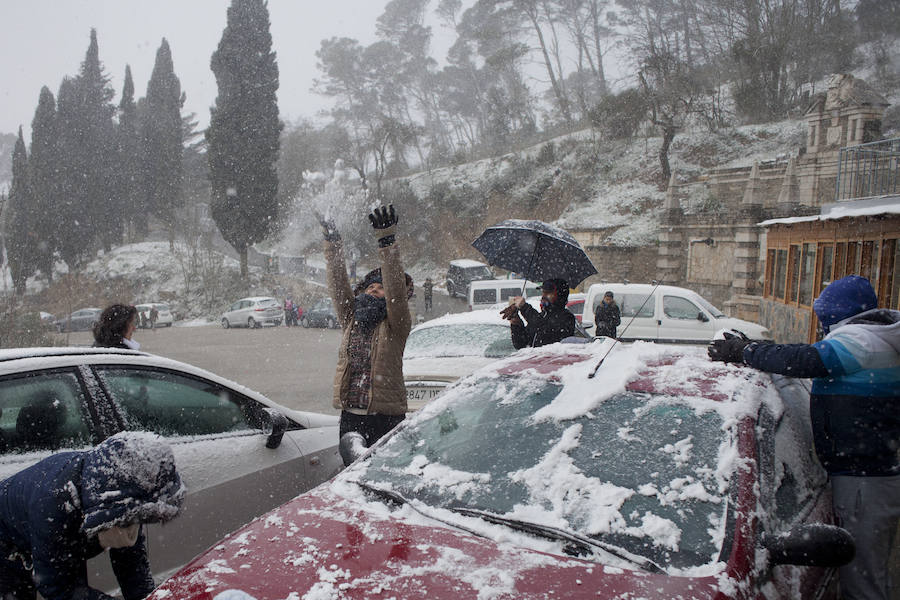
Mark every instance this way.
x=371 y=427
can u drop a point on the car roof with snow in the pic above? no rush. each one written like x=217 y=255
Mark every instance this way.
x=466 y=263
x=486 y=316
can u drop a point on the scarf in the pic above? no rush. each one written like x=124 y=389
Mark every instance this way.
x=369 y=311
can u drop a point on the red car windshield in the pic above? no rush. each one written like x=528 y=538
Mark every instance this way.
x=641 y=472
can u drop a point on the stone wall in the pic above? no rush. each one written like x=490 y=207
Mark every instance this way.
x=788 y=324
x=615 y=264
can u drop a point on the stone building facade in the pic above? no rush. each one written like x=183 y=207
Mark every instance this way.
x=710 y=238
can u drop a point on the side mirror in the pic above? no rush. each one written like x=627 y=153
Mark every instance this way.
x=275 y=424
x=587 y=324
x=351 y=446
x=811 y=545
x=702 y=317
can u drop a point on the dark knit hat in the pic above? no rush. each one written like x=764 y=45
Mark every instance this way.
x=374 y=276
x=844 y=298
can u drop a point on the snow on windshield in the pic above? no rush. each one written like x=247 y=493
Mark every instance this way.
x=645 y=469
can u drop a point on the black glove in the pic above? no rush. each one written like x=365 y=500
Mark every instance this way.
x=384 y=220
x=730 y=349
x=329 y=229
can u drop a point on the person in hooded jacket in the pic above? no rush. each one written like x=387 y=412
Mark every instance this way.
x=606 y=316
x=552 y=324
x=115 y=327
x=855 y=411
x=375 y=320
x=71 y=506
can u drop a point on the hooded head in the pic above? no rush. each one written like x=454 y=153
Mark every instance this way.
x=129 y=478
x=374 y=276
x=560 y=286
x=844 y=298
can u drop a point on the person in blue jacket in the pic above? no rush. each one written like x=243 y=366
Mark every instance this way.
x=855 y=411
x=71 y=506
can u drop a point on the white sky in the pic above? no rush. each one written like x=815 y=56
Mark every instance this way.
x=44 y=40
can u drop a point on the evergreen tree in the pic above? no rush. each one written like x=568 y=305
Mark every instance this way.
x=130 y=160
x=43 y=171
x=76 y=236
x=243 y=135
x=21 y=237
x=97 y=192
x=161 y=131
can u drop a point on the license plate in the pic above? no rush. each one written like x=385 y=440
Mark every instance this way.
x=422 y=394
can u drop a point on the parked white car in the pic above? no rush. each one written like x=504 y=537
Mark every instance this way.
x=671 y=314
x=164 y=317
x=253 y=312
x=238 y=453
x=484 y=294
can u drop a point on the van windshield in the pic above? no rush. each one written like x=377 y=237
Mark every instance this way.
x=715 y=312
x=478 y=273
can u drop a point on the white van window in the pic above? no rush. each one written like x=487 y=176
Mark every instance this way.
x=484 y=296
x=630 y=304
x=507 y=293
x=676 y=307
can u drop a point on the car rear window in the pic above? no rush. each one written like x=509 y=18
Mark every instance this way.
x=485 y=296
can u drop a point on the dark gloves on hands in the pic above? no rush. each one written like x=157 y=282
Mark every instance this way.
x=509 y=312
x=329 y=229
x=384 y=220
x=730 y=349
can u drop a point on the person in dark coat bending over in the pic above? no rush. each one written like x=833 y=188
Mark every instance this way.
x=552 y=324
x=71 y=506
x=855 y=411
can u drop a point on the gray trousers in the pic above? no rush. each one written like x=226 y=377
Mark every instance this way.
x=869 y=508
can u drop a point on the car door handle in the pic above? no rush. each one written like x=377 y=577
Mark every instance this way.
x=659 y=321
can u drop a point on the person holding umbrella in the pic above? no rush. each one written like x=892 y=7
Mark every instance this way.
x=552 y=324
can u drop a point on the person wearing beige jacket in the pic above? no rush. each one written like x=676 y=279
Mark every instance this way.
x=375 y=320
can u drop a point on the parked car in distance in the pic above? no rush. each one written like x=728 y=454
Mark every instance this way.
x=164 y=317
x=320 y=315
x=238 y=453
x=575 y=304
x=82 y=319
x=664 y=476
x=671 y=314
x=440 y=351
x=462 y=272
x=486 y=293
x=253 y=312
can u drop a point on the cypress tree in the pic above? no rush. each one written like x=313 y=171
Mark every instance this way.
x=243 y=135
x=21 y=237
x=98 y=195
x=75 y=237
x=130 y=159
x=162 y=140
x=43 y=171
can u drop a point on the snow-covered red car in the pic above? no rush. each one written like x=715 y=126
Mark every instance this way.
x=664 y=476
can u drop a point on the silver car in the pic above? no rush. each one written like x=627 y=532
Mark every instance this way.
x=81 y=320
x=253 y=312
x=238 y=453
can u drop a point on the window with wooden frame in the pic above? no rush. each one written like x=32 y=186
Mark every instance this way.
x=840 y=260
x=851 y=265
x=868 y=261
x=780 y=274
x=807 y=273
x=793 y=273
x=770 y=273
x=826 y=265
x=889 y=284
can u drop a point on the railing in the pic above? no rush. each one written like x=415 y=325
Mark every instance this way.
x=868 y=170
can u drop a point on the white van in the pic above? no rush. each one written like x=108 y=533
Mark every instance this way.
x=485 y=294
x=672 y=314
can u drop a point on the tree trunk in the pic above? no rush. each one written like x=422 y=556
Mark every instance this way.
x=668 y=136
x=245 y=273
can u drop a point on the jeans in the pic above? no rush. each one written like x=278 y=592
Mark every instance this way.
x=869 y=508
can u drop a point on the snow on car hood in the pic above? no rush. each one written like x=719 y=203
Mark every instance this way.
x=443 y=368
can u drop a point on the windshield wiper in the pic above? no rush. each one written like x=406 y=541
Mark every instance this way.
x=382 y=494
x=574 y=543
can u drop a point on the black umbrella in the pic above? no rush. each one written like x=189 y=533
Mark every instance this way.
x=536 y=250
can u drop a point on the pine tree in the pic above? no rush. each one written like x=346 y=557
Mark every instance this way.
x=96 y=130
x=129 y=177
x=162 y=140
x=243 y=134
x=21 y=237
x=43 y=171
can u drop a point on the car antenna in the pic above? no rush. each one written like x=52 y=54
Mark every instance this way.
x=616 y=339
